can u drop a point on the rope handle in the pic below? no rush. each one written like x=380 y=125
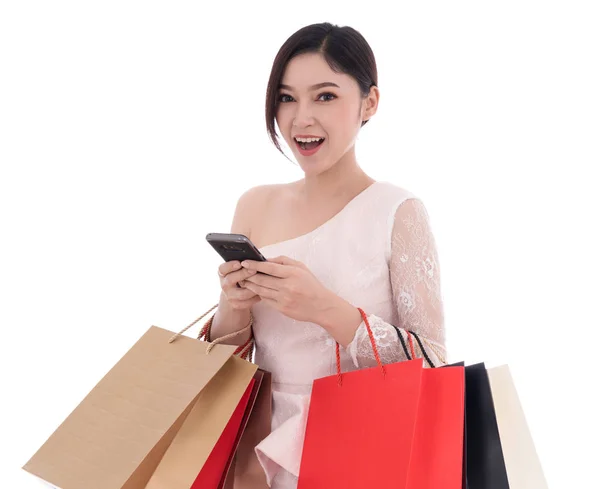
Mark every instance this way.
x=245 y=351
x=402 y=342
x=174 y=337
x=420 y=341
x=435 y=350
x=431 y=364
x=373 y=344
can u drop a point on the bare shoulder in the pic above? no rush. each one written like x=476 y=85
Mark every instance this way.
x=257 y=198
x=254 y=204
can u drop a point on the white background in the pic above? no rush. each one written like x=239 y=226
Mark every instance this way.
x=129 y=129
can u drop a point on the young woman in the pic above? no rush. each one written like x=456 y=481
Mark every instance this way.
x=336 y=240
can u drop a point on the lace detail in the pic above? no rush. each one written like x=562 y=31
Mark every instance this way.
x=416 y=288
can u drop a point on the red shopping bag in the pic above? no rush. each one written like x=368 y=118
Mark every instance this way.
x=360 y=426
x=437 y=453
x=393 y=426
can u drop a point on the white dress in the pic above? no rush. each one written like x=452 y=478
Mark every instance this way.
x=379 y=254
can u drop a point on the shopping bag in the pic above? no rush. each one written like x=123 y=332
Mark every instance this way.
x=119 y=433
x=482 y=458
x=200 y=452
x=436 y=458
x=437 y=455
x=485 y=459
x=464 y=454
x=179 y=467
x=246 y=471
x=523 y=466
x=360 y=426
x=498 y=449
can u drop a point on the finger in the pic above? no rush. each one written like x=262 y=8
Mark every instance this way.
x=263 y=292
x=228 y=267
x=232 y=279
x=242 y=294
x=273 y=269
x=265 y=281
x=238 y=276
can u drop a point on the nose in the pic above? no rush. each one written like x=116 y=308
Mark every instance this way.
x=303 y=116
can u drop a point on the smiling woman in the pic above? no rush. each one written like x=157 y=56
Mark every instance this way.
x=335 y=241
x=345 y=64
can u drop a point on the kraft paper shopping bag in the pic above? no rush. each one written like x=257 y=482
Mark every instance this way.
x=116 y=437
x=200 y=453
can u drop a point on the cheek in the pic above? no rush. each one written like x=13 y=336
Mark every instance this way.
x=341 y=123
x=284 y=121
x=283 y=116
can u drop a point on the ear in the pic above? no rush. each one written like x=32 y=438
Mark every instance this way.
x=370 y=104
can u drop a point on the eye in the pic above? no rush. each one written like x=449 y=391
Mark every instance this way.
x=282 y=98
x=328 y=94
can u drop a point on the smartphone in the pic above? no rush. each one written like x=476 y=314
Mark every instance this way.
x=234 y=247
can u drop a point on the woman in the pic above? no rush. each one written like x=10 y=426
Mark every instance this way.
x=336 y=240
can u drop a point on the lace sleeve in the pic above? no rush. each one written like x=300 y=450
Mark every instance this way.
x=415 y=281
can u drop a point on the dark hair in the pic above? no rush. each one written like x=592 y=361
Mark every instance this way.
x=345 y=50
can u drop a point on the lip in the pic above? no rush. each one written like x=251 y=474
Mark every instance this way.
x=308 y=136
x=311 y=152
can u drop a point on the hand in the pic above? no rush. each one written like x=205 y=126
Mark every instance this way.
x=288 y=286
x=239 y=298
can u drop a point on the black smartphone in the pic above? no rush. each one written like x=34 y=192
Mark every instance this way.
x=234 y=247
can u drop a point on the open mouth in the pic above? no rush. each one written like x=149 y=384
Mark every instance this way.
x=309 y=147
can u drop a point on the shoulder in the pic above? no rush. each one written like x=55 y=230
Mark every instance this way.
x=254 y=203
x=262 y=195
x=397 y=202
x=406 y=214
x=255 y=195
x=391 y=196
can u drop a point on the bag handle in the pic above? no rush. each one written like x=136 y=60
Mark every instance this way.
x=373 y=344
x=435 y=350
x=422 y=349
x=174 y=337
x=408 y=334
x=404 y=344
x=244 y=351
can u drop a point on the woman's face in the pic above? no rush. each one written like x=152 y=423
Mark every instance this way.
x=316 y=102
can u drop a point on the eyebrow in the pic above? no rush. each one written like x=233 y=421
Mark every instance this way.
x=314 y=87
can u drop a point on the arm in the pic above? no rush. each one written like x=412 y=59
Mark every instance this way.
x=228 y=319
x=415 y=280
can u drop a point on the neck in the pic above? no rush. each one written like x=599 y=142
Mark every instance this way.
x=344 y=179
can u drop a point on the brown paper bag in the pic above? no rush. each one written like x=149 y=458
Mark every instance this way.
x=116 y=437
x=196 y=439
x=523 y=466
x=245 y=471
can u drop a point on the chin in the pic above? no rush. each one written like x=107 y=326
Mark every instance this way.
x=311 y=170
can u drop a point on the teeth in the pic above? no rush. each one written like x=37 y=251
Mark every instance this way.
x=308 y=140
